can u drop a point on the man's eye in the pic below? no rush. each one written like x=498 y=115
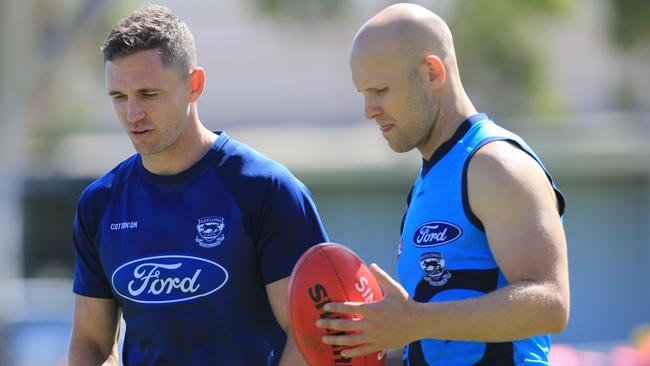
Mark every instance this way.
x=119 y=97
x=382 y=91
x=149 y=95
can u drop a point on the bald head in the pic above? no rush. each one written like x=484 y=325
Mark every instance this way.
x=403 y=62
x=407 y=32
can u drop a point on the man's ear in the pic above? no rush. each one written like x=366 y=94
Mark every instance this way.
x=197 y=83
x=435 y=70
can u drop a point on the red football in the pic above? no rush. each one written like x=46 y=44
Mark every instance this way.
x=328 y=272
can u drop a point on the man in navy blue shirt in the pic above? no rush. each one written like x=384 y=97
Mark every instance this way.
x=192 y=239
x=482 y=266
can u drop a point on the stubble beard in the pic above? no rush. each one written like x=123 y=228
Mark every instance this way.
x=164 y=143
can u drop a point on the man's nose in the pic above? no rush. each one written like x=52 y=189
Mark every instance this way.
x=372 y=110
x=134 y=111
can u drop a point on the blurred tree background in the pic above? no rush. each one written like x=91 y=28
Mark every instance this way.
x=67 y=65
x=630 y=25
x=500 y=43
x=499 y=49
x=48 y=64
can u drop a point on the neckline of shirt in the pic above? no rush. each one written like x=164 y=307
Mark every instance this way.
x=446 y=146
x=188 y=173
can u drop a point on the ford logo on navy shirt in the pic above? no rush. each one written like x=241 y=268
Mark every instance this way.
x=433 y=233
x=168 y=279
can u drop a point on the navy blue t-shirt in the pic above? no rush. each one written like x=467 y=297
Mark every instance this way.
x=187 y=256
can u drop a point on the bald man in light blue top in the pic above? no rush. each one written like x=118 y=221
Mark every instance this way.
x=483 y=273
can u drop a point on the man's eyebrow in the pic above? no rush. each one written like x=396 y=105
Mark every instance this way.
x=370 y=88
x=143 y=90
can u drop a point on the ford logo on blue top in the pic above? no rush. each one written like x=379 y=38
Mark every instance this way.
x=433 y=233
x=168 y=279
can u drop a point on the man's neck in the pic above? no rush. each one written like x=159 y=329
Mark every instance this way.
x=190 y=147
x=451 y=116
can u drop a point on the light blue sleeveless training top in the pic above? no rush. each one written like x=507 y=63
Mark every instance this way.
x=444 y=253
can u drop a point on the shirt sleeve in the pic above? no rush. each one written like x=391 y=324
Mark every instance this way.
x=289 y=224
x=278 y=211
x=89 y=278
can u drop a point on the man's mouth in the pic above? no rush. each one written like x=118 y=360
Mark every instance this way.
x=386 y=127
x=140 y=132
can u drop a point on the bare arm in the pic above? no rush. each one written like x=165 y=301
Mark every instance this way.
x=277 y=294
x=512 y=197
x=94 y=332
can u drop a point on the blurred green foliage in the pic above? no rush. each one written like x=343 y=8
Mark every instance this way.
x=499 y=44
x=494 y=41
x=630 y=23
x=302 y=9
x=67 y=44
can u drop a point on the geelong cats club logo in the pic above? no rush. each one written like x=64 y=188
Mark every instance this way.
x=433 y=266
x=210 y=231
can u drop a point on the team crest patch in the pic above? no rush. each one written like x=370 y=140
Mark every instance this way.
x=433 y=266
x=210 y=231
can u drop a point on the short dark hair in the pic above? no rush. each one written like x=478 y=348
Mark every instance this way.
x=153 y=27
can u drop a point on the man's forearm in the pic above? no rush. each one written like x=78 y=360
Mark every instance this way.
x=513 y=312
x=291 y=355
x=85 y=354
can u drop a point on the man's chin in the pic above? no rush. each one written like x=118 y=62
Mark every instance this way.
x=399 y=148
x=145 y=150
